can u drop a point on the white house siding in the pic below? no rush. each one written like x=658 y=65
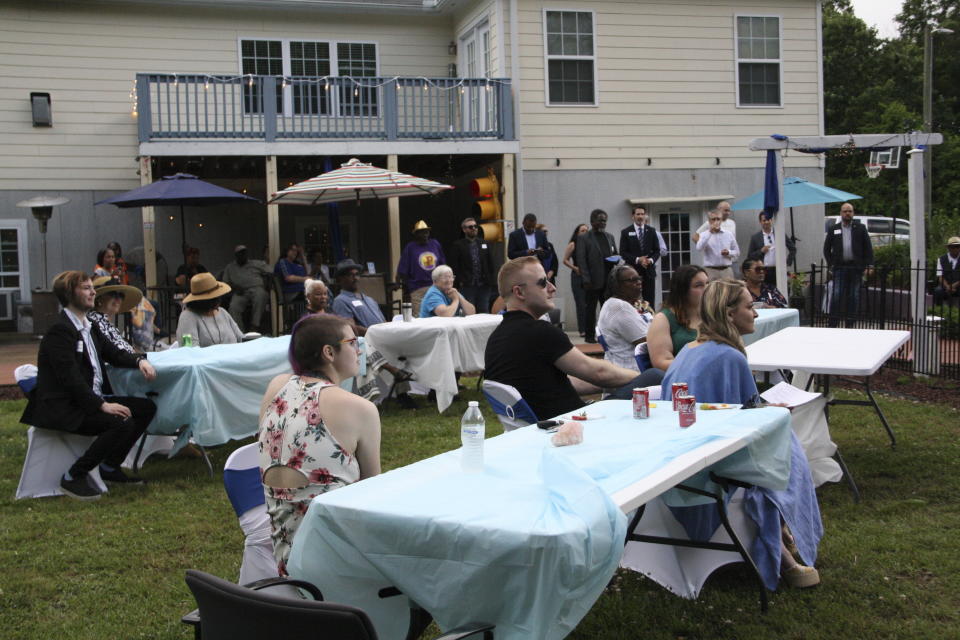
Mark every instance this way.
x=474 y=13
x=666 y=123
x=86 y=56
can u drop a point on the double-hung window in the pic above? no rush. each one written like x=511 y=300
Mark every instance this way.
x=759 y=61
x=303 y=60
x=570 y=47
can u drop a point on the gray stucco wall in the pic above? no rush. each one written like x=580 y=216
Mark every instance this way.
x=563 y=199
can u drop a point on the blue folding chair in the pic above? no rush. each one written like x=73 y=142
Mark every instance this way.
x=642 y=355
x=241 y=479
x=603 y=343
x=511 y=409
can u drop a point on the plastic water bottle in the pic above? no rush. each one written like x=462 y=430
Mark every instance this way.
x=472 y=432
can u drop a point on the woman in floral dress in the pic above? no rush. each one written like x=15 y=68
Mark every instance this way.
x=314 y=436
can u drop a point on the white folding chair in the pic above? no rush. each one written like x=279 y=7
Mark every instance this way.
x=241 y=479
x=49 y=453
x=511 y=409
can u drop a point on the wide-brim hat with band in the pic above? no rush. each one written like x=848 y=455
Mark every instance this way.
x=421 y=226
x=131 y=295
x=346 y=265
x=954 y=241
x=204 y=286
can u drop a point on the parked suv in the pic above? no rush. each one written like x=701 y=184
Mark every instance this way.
x=882 y=230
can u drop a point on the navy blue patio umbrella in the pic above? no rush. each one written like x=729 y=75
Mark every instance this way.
x=180 y=189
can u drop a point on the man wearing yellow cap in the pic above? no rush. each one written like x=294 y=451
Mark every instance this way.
x=417 y=262
x=948 y=272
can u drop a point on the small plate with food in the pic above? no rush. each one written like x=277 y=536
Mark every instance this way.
x=580 y=416
x=715 y=406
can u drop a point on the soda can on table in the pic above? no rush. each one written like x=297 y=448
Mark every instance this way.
x=688 y=410
x=641 y=403
x=678 y=389
x=186 y=340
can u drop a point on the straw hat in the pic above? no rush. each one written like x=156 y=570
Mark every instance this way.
x=204 y=286
x=954 y=241
x=107 y=284
x=421 y=226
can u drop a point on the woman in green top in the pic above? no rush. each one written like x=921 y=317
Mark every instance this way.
x=679 y=318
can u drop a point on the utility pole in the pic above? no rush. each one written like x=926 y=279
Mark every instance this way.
x=928 y=30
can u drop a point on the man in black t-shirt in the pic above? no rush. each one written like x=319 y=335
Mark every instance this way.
x=538 y=358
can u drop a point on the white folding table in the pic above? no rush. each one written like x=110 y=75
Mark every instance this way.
x=829 y=352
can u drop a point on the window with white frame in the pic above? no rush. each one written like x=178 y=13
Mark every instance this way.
x=308 y=59
x=759 y=61
x=570 y=57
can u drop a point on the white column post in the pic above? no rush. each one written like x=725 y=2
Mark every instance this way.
x=393 y=228
x=918 y=249
x=149 y=228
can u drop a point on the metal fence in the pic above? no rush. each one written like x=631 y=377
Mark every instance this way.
x=197 y=106
x=880 y=299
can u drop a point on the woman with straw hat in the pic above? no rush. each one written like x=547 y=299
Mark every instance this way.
x=112 y=298
x=203 y=319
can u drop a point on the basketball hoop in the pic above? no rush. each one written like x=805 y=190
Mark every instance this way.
x=873 y=169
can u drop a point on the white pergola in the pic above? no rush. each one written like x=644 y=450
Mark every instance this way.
x=915 y=181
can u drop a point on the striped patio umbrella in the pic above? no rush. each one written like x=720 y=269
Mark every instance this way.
x=355 y=180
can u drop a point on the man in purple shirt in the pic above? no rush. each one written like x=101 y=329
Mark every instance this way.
x=417 y=262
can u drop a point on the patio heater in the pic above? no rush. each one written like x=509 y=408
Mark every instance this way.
x=42 y=208
x=42 y=301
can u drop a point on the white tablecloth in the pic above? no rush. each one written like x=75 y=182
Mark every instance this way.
x=770 y=321
x=436 y=348
x=531 y=542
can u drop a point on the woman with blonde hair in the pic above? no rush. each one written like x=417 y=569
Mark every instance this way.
x=715 y=368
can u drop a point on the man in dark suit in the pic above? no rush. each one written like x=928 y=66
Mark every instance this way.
x=472 y=266
x=527 y=241
x=848 y=252
x=640 y=248
x=762 y=248
x=593 y=250
x=73 y=392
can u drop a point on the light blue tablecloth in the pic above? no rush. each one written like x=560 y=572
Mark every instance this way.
x=529 y=544
x=216 y=390
x=769 y=321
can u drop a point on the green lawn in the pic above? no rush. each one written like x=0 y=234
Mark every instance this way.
x=114 y=568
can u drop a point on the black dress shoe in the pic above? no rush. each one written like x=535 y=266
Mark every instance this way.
x=406 y=402
x=79 y=488
x=117 y=476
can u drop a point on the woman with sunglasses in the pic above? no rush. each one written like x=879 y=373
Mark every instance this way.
x=314 y=436
x=764 y=295
x=624 y=318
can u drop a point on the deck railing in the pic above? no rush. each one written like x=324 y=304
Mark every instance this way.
x=271 y=108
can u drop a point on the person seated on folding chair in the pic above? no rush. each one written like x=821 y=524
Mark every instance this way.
x=73 y=392
x=715 y=368
x=317 y=296
x=624 y=318
x=203 y=319
x=112 y=298
x=538 y=358
x=442 y=299
x=314 y=436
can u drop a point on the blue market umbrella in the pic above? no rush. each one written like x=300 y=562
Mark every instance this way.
x=180 y=189
x=797 y=192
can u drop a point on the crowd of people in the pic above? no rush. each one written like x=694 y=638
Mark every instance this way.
x=316 y=435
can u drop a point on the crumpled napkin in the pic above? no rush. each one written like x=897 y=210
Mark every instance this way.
x=567 y=434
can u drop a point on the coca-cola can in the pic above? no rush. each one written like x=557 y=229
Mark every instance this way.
x=678 y=389
x=641 y=403
x=688 y=410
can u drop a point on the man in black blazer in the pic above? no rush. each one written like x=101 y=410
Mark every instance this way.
x=472 y=265
x=762 y=248
x=593 y=249
x=527 y=241
x=848 y=252
x=73 y=392
x=640 y=248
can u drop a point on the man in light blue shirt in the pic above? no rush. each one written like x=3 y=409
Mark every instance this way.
x=351 y=304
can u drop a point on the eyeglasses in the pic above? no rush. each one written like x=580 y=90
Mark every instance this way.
x=353 y=342
x=633 y=279
x=542 y=283
x=759 y=268
x=469 y=226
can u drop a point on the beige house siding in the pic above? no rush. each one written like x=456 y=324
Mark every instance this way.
x=86 y=57
x=666 y=88
x=473 y=14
